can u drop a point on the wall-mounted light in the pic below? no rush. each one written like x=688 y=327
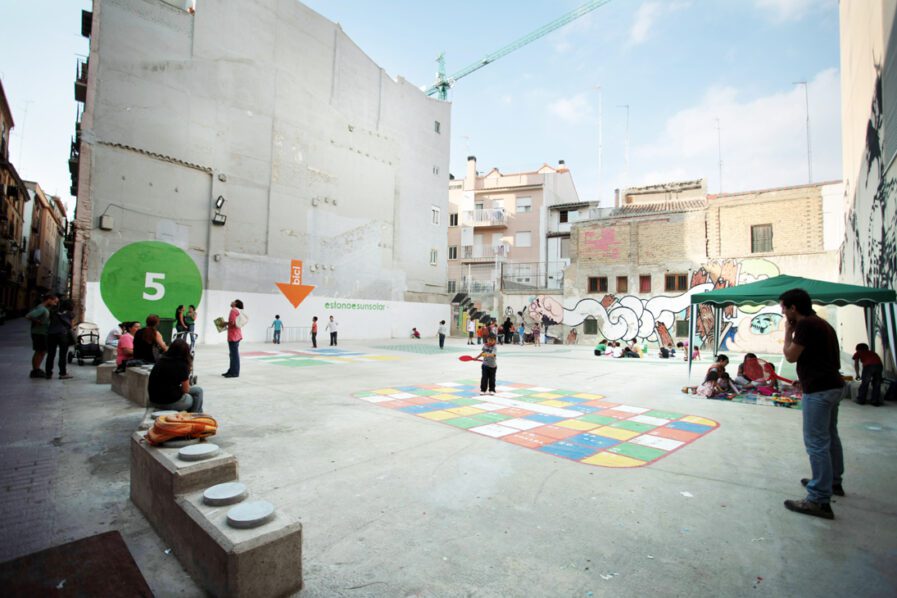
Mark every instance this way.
x=219 y=203
x=219 y=219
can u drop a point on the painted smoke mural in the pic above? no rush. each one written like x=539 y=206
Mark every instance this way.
x=624 y=317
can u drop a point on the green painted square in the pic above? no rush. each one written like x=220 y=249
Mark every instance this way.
x=463 y=422
x=566 y=393
x=300 y=363
x=466 y=402
x=634 y=426
x=490 y=417
x=426 y=393
x=598 y=419
x=664 y=414
x=636 y=451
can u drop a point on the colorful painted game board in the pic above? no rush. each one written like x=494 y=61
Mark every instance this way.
x=422 y=347
x=312 y=357
x=579 y=426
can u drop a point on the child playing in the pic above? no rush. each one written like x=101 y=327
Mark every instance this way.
x=537 y=335
x=278 y=326
x=872 y=368
x=487 y=380
x=521 y=333
x=710 y=387
x=415 y=333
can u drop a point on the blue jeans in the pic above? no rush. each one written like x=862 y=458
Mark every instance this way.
x=871 y=373
x=823 y=445
x=234 y=369
x=277 y=337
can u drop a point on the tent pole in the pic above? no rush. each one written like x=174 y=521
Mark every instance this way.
x=890 y=322
x=691 y=337
x=870 y=326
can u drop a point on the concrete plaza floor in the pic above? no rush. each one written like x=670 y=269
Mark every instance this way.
x=396 y=505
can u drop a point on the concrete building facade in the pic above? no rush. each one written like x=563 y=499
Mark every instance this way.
x=635 y=266
x=46 y=228
x=251 y=134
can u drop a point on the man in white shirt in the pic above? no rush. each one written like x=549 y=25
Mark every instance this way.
x=331 y=328
x=471 y=330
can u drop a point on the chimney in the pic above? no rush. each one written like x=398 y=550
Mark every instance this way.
x=470 y=179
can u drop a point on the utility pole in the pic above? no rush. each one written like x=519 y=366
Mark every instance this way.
x=719 y=149
x=809 y=154
x=600 y=132
x=626 y=152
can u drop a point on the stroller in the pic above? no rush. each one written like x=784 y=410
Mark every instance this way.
x=87 y=344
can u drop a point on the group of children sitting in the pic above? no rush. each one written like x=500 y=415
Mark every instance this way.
x=615 y=349
x=754 y=375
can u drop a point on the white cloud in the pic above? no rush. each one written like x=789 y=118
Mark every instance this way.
x=647 y=15
x=574 y=110
x=784 y=10
x=763 y=139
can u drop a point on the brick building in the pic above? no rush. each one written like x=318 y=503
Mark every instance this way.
x=47 y=270
x=13 y=204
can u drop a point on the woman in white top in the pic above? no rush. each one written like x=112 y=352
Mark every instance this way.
x=441 y=332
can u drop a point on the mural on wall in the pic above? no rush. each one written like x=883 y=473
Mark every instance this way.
x=869 y=253
x=624 y=317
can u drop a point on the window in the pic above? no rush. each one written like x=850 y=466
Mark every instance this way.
x=590 y=326
x=478 y=205
x=434 y=255
x=761 y=238
x=437 y=126
x=565 y=248
x=452 y=286
x=597 y=284
x=435 y=170
x=681 y=328
x=622 y=284
x=564 y=216
x=524 y=205
x=523 y=239
x=676 y=282
x=498 y=204
x=434 y=215
x=453 y=219
x=453 y=252
x=644 y=283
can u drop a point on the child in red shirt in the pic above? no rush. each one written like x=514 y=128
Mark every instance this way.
x=872 y=369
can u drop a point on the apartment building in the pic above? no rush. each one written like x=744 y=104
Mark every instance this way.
x=13 y=205
x=46 y=228
x=509 y=233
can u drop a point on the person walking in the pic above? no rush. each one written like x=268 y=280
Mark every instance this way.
x=277 y=325
x=314 y=332
x=471 y=330
x=235 y=322
x=331 y=328
x=40 y=323
x=59 y=334
x=813 y=344
x=442 y=332
x=872 y=369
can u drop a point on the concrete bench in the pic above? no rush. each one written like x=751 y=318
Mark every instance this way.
x=119 y=383
x=137 y=382
x=225 y=561
x=109 y=352
x=104 y=372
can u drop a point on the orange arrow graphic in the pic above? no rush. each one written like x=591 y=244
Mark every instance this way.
x=295 y=291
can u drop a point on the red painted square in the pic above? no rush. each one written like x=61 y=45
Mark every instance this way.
x=528 y=439
x=515 y=412
x=672 y=434
x=518 y=385
x=615 y=414
x=396 y=404
x=602 y=403
x=420 y=401
x=556 y=432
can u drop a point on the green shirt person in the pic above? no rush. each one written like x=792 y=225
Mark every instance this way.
x=40 y=323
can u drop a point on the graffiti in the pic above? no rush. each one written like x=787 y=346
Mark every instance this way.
x=603 y=243
x=869 y=252
x=626 y=317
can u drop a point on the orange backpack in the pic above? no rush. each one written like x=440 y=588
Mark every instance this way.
x=181 y=426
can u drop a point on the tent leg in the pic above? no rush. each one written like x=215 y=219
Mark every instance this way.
x=691 y=337
x=869 y=312
x=890 y=326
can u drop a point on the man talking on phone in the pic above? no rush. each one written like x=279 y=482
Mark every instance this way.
x=812 y=343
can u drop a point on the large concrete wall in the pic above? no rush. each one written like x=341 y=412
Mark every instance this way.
x=320 y=155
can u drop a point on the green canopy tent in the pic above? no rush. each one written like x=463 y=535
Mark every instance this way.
x=767 y=292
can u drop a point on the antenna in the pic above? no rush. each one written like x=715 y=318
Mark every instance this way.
x=626 y=172
x=809 y=154
x=719 y=149
x=22 y=133
x=600 y=130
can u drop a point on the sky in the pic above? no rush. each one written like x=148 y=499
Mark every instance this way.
x=702 y=79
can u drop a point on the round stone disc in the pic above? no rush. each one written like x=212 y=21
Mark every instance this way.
x=198 y=452
x=158 y=414
x=250 y=514
x=180 y=442
x=224 y=494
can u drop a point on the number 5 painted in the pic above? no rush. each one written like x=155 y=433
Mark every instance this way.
x=153 y=282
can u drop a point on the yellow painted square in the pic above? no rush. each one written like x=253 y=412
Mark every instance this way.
x=576 y=424
x=445 y=389
x=465 y=410
x=606 y=459
x=555 y=403
x=618 y=433
x=438 y=415
x=694 y=419
x=379 y=357
x=546 y=395
x=444 y=397
x=589 y=396
x=387 y=391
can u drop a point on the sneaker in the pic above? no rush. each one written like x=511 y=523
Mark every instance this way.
x=808 y=507
x=837 y=489
x=65 y=376
x=37 y=374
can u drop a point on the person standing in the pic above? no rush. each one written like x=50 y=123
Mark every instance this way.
x=236 y=319
x=277 y=325
x=58 y=334
x=331 y=328
x=190 y=319
x=441 y=332
x=40 y=323
x=314 y=332
x=812 y=343
x=508 y=329
x=471 y=330
x=872 y=369
x=490 y=366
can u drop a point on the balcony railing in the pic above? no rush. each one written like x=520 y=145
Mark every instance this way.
x=471 y=287
x=485 y=217
x=485 y=252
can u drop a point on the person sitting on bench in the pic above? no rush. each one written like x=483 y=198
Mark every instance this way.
x=169 y=382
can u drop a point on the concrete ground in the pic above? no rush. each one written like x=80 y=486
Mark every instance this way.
x=397 y=505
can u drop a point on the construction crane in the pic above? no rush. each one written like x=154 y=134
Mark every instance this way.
x=444 y=83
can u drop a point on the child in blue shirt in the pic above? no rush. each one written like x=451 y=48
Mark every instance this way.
x=278 y=326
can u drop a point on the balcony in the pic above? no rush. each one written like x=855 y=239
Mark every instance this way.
x=86 y=23
x=81 y=81
x=491 y=218
x=484 y=253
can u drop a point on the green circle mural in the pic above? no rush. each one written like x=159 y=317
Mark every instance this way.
x=149 y=277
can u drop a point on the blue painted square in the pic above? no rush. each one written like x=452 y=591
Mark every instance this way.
x=584 y=409
x=689 y=427
x=562 y=448
x=593 y=441
x=439 y=405
x=467 y=393
x=421 y=408
x=545 y=419
x=407 y=388
x=573 y=400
